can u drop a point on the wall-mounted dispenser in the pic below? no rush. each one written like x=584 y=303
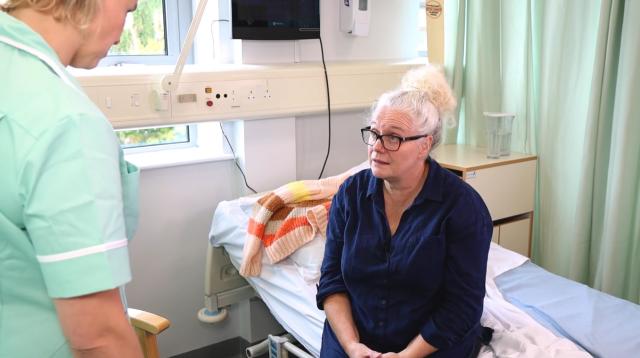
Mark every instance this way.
x=354 y=17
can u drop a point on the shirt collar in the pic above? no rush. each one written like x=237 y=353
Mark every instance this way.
x=21 y=32
x=431 y=190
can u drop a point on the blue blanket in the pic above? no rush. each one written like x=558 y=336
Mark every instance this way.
x=603 y=325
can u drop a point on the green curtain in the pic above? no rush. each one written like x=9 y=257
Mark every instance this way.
x=569 y=70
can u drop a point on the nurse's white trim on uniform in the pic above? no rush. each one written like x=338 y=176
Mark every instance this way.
x=43 y=57
x=83 y=252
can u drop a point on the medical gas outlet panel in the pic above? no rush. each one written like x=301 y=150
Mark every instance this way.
x=205 y=98
x=124 y=104
x=139 y=105
x=139 y=100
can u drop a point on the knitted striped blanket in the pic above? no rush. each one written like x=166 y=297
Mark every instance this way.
x=287 y=218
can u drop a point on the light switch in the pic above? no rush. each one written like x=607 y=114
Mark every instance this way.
x=135 y=100
x=107 y=102
x=161 y=100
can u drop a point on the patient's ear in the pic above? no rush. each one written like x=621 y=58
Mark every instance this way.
x=425 y=146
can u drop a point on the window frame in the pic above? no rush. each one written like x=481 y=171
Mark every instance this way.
x=208 y=146
x=178 y=15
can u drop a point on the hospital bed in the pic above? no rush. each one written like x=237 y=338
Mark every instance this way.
x=533 y=313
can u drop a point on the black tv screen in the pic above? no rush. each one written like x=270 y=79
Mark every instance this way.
x=275 y=19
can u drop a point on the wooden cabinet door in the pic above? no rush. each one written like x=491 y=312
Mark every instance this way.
x=515 y=236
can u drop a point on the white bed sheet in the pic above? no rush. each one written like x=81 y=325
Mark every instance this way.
x=289 y=293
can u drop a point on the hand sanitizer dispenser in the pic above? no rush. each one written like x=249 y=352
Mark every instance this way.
x=354 y=17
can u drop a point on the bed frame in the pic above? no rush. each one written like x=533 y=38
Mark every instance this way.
x=223 y=285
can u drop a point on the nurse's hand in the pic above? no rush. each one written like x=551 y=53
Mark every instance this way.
x=359 y=350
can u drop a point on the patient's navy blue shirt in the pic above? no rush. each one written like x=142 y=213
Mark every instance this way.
x=428 y=278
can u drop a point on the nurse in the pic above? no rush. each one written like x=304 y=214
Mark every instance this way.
x=67 y=197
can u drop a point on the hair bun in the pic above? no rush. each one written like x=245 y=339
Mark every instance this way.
x=431 y=80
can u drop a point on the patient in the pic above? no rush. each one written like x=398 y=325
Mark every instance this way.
x=407 y=242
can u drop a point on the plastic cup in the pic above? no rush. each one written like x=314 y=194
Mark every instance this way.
x=498 y=128
x=505 y=135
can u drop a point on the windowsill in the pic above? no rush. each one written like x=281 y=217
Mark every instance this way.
x=175 y=157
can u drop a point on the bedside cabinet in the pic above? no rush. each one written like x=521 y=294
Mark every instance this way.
x=506 y=185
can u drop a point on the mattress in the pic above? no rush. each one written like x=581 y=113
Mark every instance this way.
x=604 y=325
x=288 y=288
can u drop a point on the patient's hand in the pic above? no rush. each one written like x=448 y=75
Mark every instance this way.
x=401 y=354
x=359 y=350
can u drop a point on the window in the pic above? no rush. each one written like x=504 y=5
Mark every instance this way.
x=207 y=136
x=144 y=31
x=152 y=34
x=205 y=144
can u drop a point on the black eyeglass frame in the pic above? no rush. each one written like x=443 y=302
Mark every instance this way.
x=401 y=140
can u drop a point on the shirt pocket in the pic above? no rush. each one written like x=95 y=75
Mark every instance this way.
x=130 y=177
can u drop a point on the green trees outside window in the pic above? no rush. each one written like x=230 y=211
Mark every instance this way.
x=153 y=136
x=144 y=31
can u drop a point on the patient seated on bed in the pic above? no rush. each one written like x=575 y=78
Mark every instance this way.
x=407 y=240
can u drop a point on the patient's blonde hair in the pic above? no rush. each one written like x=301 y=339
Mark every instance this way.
x=425 y=94
x=77 y=12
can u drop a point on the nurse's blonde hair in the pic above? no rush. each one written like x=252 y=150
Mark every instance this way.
x=425 y=94
x=77 y=12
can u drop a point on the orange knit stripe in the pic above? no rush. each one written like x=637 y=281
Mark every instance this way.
x=291 y=224
x=287 y=226
x=286 y=245
x=255 y=228
x=268 y=239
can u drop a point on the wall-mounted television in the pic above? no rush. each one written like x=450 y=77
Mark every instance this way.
x=275 y=19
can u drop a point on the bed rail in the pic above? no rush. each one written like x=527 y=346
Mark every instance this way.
x=278 y=347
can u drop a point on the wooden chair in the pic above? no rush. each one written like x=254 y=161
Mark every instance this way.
x=147 y=326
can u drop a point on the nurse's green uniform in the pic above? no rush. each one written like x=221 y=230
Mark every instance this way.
x=68 y=200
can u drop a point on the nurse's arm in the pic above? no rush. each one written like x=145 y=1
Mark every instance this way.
x=95 y=326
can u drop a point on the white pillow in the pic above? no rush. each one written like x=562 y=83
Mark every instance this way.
x=308 y=259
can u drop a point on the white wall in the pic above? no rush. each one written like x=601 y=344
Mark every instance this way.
x=392 y=35
x=177 y=203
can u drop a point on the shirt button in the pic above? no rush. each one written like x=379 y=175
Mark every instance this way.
x=384 y=302
x=380 y=323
